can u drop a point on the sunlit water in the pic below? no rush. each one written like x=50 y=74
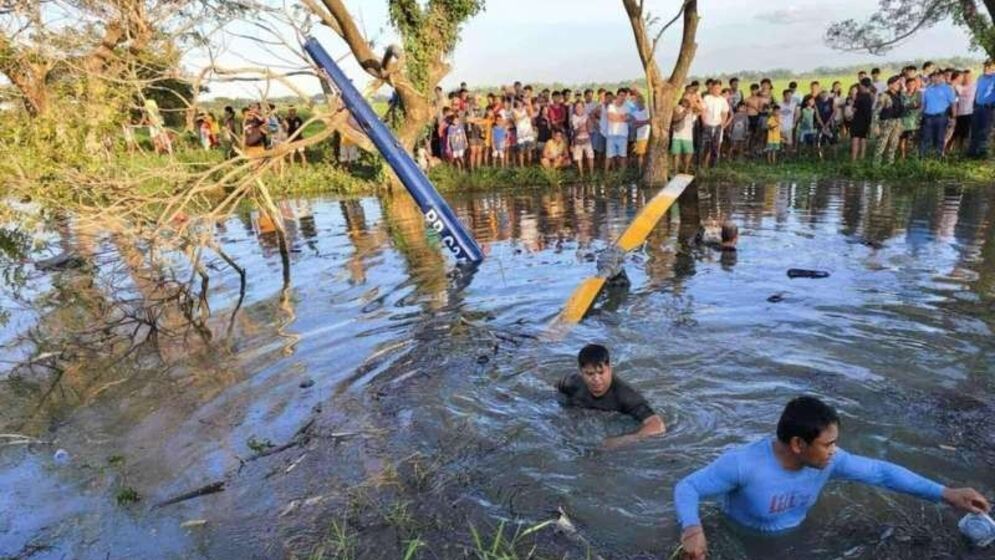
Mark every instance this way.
x=899 y=338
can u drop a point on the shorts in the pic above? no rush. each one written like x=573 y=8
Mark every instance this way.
x=526 y=145
x=807 y=137
x=348 y=154
x=680 y=147
x=910 y=133
x=580 y=150
x=499 y=147
x=598 y=142
x=786 y=136
x=458 y=154
x=754 y=122
x=773 y=146
x=711 y=137
x=474 y=142
x=617 y=146
x=641 y=147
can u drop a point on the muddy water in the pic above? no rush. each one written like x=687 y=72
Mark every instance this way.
x=407 y=366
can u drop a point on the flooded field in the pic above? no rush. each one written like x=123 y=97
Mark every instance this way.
x=387 y=398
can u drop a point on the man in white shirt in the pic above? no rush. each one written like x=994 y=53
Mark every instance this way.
x=714 y=117
x=788 y=111
x=641 y=120
x=617 y=130
x=964 y=88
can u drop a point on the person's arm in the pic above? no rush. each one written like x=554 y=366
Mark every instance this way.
x=651 y=426
x=899 y=479
x=719 y=477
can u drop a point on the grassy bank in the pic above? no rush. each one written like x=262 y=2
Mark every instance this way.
x=913 y=170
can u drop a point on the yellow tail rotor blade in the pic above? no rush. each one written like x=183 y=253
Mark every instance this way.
x=635 y=235
x=649 y=215
x=582 y=299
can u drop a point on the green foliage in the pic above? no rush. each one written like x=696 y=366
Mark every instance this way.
x=447 y=178
x=429 y=33
x=897 y=20
x=911 y=170
x=501 y=546
x=258 y=445
x=126 y=495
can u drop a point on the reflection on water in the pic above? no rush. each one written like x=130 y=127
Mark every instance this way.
x=379 y=331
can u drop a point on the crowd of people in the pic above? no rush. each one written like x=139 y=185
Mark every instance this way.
x=927 y=111
x=256 y=128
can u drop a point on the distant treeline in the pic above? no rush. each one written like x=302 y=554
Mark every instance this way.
x=748 y=76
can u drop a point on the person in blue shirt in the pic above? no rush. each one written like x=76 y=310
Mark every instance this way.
x=937 y=99
x=984 y=111
x=769 y=485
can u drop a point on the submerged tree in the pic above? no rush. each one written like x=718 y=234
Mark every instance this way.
x=429 y=31
x=662 y=91
x=897 y=20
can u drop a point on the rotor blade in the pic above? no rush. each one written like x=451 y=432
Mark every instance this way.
x=650 y=214
x=635 y=235
x=582 y=299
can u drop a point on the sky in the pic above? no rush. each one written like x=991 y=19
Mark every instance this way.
x=575 y=41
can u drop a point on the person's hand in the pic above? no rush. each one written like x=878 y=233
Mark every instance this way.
x=966 y=499
x=694 y=544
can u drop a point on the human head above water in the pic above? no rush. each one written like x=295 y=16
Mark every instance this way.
x=595 y=368
x=809 y=428
x=805 y=417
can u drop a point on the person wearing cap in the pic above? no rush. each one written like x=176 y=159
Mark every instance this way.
x=890 y=120
x=770 y=485
x=984 y=111
x=937 y=101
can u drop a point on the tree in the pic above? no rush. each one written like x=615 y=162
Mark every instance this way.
x=662 y=92
x=429 y=31
x=897 y=20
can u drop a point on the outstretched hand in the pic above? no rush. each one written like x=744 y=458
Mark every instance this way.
x=694 y=544
x=966 y=499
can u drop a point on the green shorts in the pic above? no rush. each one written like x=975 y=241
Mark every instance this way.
x=681 y=147
x=773 y=146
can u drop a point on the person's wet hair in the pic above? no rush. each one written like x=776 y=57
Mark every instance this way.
x=592 y=355
x=806 y=418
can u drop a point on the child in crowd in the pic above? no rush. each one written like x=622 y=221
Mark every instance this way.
x=739 y=131
x=499 y=135
x=806 y=124
x=773 y=133
x=456 y=136
x=682 y=137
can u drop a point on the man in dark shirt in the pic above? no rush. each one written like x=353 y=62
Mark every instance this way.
x=294 y=124
x=595 y=387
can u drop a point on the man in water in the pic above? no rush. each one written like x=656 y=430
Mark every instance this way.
x=769 y=485
x=595 y=387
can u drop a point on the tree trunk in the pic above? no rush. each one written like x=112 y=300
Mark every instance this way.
x=657 y=170
x=417 y=110
x=664 y=92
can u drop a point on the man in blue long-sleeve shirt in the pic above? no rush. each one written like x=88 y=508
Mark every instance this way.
x=984 y=111
x=769 y=485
